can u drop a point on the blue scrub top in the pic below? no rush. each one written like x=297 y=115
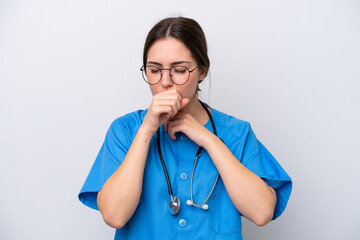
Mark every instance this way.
x=151 y=219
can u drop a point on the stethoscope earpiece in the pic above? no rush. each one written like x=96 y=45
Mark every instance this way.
x=203 y=206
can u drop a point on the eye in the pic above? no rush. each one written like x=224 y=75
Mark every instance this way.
x=152 y=69
x=180 y=70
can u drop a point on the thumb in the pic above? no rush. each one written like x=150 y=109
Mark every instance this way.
x=184 y=102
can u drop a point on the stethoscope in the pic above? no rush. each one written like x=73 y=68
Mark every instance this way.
x=174 y=204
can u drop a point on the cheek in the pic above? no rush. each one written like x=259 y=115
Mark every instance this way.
x=195 y=83
x=153 y=90
x=191 y=88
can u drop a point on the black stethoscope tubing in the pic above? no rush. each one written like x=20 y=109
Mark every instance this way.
x=197 y=153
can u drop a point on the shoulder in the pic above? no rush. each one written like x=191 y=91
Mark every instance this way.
x=229 y=126
x=132 y=118
x=129 y=123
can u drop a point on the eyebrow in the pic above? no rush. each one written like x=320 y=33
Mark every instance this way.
x=174 y=63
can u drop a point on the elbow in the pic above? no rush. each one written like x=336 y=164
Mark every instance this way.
x=110 y=217
x=267 y=214
x=113 y=220
x=263 y=218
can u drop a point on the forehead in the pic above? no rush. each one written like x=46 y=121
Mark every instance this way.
x=169 y=50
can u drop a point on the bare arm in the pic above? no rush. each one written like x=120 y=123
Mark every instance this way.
x=120 y=195
x=249 y=193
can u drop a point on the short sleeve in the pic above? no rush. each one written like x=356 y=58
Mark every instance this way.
x=260 y=161
x=109 y=158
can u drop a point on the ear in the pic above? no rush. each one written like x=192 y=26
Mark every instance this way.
x=202 y=75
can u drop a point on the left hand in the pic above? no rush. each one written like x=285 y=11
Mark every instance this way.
x=187 y=124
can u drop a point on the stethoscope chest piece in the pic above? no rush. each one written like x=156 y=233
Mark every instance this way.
x=174 y=205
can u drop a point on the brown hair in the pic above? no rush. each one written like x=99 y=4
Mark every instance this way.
x=186 y=30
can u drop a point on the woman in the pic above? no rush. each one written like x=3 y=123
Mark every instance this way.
x=181 y=169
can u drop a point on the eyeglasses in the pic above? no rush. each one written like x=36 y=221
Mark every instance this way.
x=179 y=75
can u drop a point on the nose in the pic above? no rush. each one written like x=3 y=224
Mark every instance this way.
x=165 y=79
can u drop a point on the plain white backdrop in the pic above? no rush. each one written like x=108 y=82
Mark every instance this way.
x=69 y=68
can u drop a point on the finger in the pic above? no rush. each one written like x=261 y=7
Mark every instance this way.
x=173 y=100
x=165 y=122
x=175 y=95
x=184 y=102
x=162 y=111
x=169 y=95
x=172 y=94
x=181 y=115
x=171 y=91
x=175 y=126
x=166 y=125
x=174 y=104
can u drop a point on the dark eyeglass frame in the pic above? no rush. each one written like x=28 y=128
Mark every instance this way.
x=142 y=69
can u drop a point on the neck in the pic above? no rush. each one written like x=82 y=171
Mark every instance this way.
x=195 y=109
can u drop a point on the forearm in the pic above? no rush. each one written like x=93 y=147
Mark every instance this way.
x=249 y=193
x=121 y=193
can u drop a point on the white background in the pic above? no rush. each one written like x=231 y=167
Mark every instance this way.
x=69 y=68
